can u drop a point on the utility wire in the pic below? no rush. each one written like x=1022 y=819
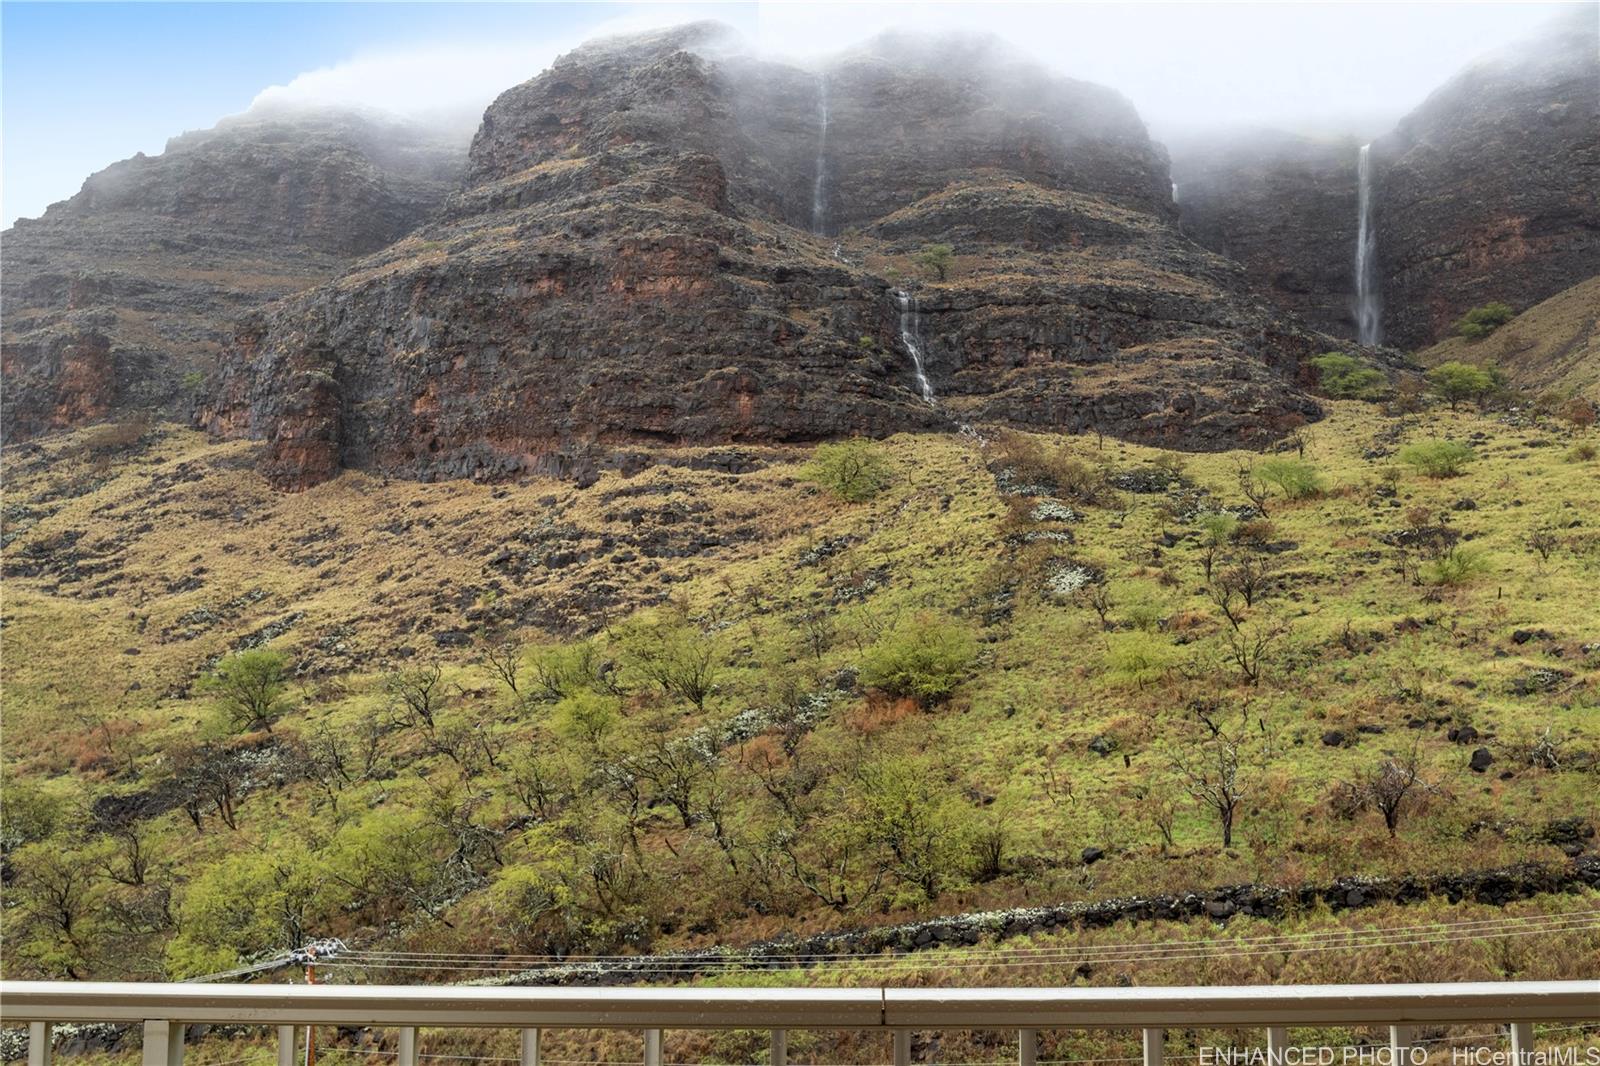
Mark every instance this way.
x=712 y=955
x=1147 y=952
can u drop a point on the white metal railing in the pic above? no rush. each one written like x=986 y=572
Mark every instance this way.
x=165 y=1009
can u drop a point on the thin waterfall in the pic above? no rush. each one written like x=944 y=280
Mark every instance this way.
x=911 y=337
x=1369 y=308
x=819 y=201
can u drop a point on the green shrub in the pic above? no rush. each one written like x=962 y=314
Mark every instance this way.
x=1482 y=321
x=1345 y=377
x=1456 y=381
x=250 y=688
x=925 y=657
x=1295 y=478
x=936 y=259
x=854 y=470
x=1437 y=458
x=1457 y=566
x=1583 y=452
x=1139 y=657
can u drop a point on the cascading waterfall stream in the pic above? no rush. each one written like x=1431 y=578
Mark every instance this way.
x=1369 y=327
x=910 y=336
x=819 y=202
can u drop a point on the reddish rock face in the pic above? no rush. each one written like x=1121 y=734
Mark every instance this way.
x=1491 y=189
x=153 y=260
x=1486 y=192
x=644 y=252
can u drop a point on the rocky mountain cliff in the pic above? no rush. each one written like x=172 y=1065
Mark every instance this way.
x=1490 y=190
x=1284 y=208
x=118 y=293
x=662 y=240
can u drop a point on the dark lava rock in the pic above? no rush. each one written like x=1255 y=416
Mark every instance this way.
x=1333 y=738
x=1484 y=192
x=1463 y=735
x=635 y=258
x=115 y=295
x=1093 y=855
x=1481 y=760
x=1102 y=745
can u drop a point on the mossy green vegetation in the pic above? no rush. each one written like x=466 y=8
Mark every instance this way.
x=808 y=715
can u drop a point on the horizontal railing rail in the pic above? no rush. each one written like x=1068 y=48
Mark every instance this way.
x=164 y=1010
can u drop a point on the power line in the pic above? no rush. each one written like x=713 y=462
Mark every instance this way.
x=715 y=956
x=1131 y=954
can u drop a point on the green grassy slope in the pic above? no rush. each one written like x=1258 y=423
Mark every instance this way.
x=706 y=743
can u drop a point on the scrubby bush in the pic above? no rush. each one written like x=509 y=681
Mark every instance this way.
x=1577 y=413
x=1140 y=657
x=855 y=470
x=1437 y=458
x=1295 y=478
x=1456 y=381
x=936 y=259
x=1482 y=321
x=924 y=657
x=250 y=688
x=1456 y=565
x=1346 y=377
x=1031 y=464
x=1583 y=452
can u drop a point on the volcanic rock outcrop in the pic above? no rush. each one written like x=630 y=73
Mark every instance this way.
x=662 y=240
x=1491 y=189
x=1283 y=207
x=120 y=297
x=1488 y=191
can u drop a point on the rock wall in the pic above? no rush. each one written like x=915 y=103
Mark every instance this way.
x=1488 y=191
x=120 y=298
x=631 y=260
x=1491 y=189
x=1284 y=208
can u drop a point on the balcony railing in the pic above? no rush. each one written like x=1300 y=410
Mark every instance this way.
x=165 y=1009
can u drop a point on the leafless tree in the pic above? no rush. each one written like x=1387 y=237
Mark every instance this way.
x=1210 y=774
x=504 y=661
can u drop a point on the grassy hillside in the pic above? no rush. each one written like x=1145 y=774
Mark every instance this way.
x=1553 y=346
x=736 y=704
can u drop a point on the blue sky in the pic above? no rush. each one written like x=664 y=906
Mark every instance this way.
x=85 y=84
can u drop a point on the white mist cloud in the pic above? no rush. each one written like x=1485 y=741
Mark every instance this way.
x=445 y=78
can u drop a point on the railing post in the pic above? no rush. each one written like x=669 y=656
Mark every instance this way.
x=408 y=1047
x=1154 y=1046
x=163 y=1043
x=1027 y=1047
x=652 y=1047
x=779 y=1055
x=286 y=1042
x=1277 y=1040
x=1399 y=1045
x=1521 y=1042
x=39 y=1038
x=530 y=1047
x=902 y=1047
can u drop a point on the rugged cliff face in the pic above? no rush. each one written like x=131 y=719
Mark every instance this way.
x=661 y=240
x=1490 y=190
x=1284 y=208
x=117 y=294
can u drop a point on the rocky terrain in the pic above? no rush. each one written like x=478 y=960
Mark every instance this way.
x=662 y=241
x=1552 y=347
x=1485 y=192
x=1284 y=208
x=118 y=299
x=1491 y=189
